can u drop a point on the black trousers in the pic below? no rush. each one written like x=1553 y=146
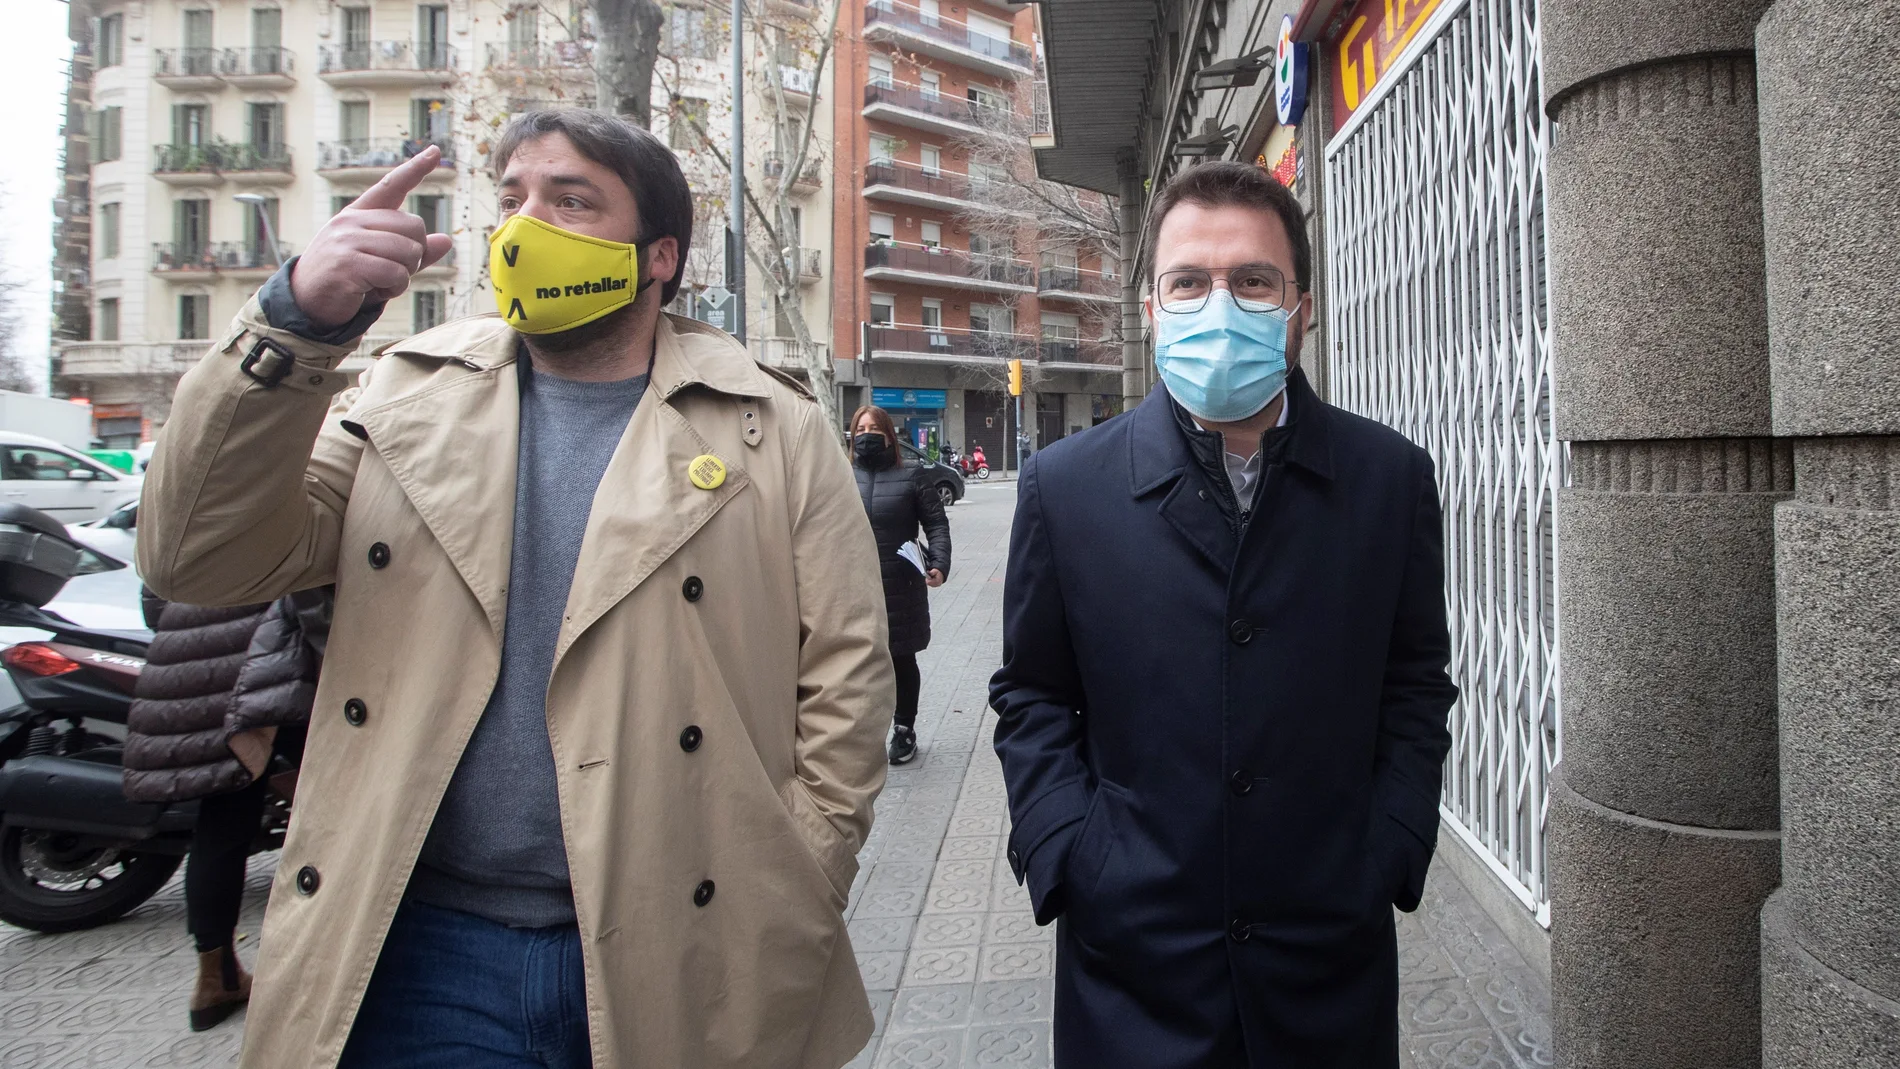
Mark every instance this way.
x=910 y=683
x=220 y=846
x=214 y=868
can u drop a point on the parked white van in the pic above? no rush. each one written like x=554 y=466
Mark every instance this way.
x=66 y=485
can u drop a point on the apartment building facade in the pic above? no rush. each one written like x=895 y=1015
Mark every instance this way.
x=941 y=301
x=224 y=133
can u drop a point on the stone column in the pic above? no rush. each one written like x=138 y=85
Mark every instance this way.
x=1663 y=816
x=1132 y=203
x=1830 y=108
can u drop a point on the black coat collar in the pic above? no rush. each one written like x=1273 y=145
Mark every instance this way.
x=1162 y=447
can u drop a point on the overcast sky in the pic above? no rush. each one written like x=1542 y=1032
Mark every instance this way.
x=32 y=87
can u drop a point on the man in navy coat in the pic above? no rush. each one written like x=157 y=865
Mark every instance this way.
x=1224 y=686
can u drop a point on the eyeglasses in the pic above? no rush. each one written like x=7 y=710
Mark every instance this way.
x=1256 y=288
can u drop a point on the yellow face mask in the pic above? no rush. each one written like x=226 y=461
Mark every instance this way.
x=548 y=280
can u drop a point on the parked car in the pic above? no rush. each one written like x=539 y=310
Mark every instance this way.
x=946 y=479
x=63 y=483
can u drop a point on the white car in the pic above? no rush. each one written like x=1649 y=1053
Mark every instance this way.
x=66 y=485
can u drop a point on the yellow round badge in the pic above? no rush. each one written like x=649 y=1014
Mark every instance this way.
x=706 y=471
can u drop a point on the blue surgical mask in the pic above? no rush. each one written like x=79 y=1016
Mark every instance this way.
x=1225 y=362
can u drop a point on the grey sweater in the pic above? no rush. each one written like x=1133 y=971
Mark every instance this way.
x=495 y=849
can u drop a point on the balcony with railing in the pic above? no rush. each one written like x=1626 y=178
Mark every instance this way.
x=921 y=344
x=104 y=359
x=911 y=184
x=523 y=105
x=948 y=39
x=796 y=81
x=240 y=259
x=189 y=68
x=808 y=180
x=256 y=164
x=555 y=56
x=375 y=63
x=187 y=165
x=1075 y=354
x=933 y=265
x=809 y=263
x=1075 y=284
x=260 y=68
x=375 y=157
x=924 y=109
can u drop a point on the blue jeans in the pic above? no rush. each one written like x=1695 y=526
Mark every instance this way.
x=455 y=991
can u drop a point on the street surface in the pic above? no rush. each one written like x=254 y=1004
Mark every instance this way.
x=959 y=973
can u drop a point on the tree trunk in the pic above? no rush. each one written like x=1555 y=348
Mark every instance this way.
x=625 y=49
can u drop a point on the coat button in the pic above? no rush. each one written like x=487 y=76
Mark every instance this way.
x=1242 y=781
x=379 y=555
x=1239 y=931
x=692 y=588
x=1241 y=632
x=691 y=737
x=703 y=893
x=307 y=880
x=355 y=712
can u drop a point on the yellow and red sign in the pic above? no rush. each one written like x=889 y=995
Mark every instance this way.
x=1372 y=36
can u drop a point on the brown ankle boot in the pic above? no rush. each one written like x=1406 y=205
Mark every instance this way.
x=223 y=986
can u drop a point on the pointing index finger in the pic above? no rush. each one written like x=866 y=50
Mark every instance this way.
x=389 y=191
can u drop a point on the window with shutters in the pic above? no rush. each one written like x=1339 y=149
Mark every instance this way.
x=107 y=127
x=356 y=28
x=881 y=74
x=194 y=316
x=690 y=32
x=108 y=319
x=434 y=210
x=111 y=50
x=689 y=117
x=352 y=123
x=883 y=229
x=257 y=237
x=108 y=231
x=883 y=309
x=429 y=120
x=426 y=309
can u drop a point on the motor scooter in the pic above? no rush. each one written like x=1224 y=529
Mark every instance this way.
x=972 y=465
x=74 y=852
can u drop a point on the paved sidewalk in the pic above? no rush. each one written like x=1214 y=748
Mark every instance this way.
x=959 y=973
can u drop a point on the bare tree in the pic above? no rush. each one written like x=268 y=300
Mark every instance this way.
x=1008 y=196
x=785 y=44
x=625 y=51
x=14 y=292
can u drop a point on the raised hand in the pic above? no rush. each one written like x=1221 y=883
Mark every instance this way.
x=369 y=250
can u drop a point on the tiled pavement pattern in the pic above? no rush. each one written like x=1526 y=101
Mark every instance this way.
x=959 y=974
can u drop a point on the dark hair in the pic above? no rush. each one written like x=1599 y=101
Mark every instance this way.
x=650 y=170
x=882 y=421
x=1233 y=183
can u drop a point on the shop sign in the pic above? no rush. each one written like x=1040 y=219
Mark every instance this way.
x=894 y=397
x=1374 y=33
x=1289 y=75
x=116 y=412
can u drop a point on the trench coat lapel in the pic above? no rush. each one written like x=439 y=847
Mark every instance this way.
x=1161 y=466
x=452 y=449
x=646 y=507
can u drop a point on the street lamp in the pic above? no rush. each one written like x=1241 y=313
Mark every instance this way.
x=257 y=201
x=1233 y=73
x=1211 y=141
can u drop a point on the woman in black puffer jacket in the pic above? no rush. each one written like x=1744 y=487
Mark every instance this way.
x=899 y=504
x=223 y=692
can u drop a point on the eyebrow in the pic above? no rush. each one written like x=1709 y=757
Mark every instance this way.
x=1235 y=267
x=571 y=181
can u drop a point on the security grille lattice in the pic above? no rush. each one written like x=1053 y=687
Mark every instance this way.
x=1437 y=302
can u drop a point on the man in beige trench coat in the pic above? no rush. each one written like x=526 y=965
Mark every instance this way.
x=603 y=714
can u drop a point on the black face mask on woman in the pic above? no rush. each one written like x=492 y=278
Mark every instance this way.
x=871 y=449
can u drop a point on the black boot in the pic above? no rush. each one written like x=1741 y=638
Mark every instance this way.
x=903 y=744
